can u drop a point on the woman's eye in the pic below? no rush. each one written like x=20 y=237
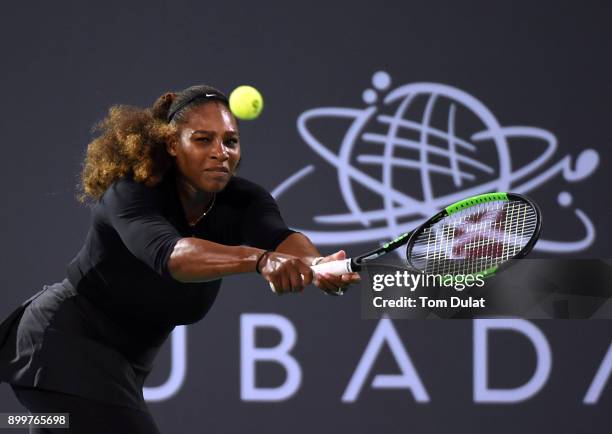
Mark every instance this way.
x=203 y=139
x=231 y=142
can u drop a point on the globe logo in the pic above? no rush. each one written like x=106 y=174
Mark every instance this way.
x=420 y=148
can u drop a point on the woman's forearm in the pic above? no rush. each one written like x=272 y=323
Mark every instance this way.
x=197 y=260
x=299 y=245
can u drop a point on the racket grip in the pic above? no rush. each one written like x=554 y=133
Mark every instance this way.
x=335 y=268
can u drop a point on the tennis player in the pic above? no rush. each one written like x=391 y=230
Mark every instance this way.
x=169 y=219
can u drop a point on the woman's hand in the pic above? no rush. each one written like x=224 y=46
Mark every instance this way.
x=335 y=285
x=285 y=272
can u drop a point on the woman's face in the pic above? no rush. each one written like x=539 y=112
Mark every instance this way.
x=208 y=149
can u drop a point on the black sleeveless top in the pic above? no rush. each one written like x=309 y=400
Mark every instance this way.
x=96 y=333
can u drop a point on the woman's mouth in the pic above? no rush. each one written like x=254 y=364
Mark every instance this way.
x=217 y=173
x=218 y=169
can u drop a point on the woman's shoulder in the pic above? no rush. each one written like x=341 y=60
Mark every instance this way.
x=244 y=188
x=127 y=190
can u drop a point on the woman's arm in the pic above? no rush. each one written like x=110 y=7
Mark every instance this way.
x=197 y=260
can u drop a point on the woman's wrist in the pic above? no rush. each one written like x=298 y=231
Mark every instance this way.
x=261 y=259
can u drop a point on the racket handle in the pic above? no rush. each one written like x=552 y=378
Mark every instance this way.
x=335 y=268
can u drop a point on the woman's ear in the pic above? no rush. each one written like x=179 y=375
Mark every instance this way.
x=171 y=146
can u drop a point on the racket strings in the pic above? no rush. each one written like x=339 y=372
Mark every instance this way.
x=474 y=239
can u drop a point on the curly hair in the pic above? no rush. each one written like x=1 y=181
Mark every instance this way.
x=133 y=140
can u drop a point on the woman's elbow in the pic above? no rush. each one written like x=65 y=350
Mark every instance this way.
x=177 y=261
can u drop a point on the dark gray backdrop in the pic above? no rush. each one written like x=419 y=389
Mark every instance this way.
x=544 y=64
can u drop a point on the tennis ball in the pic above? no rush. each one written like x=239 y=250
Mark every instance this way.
x=246 y=102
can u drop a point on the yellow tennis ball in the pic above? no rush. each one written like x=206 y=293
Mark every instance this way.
x=246 y=102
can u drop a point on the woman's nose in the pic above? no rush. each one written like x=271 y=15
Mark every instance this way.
x=220 y=151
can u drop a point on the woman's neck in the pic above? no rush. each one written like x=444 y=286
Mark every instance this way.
x=194 y=201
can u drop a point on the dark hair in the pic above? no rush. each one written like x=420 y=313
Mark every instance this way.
x=133 y=141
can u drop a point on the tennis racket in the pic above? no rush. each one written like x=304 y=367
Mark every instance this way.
x=477 y=235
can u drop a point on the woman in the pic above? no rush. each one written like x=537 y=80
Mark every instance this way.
x=169 y=220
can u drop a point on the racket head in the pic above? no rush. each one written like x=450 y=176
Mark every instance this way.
x=477 y=235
